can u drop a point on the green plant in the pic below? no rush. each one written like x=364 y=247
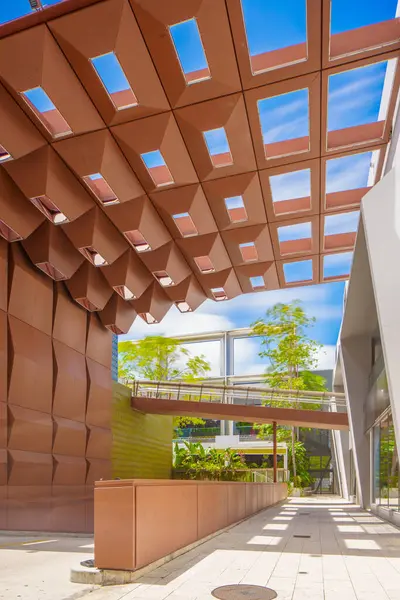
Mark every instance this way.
x=197 y=462
x=157 y=358
x=291 y=355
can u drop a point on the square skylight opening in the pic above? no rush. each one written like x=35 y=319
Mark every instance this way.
x=101 y=189
x=47 y=113
x=93 y=256
x=341 y=223
x=112 y=76
x=124 y=292
x=337 y=265
x=184 y=223
x=367 y=18
x=349 y=172
x=157 y=168
x=219 y=294
x=257 y=282
x=360 y=96
x=236 y=209
x=218 y=147
x=137 y=240
x=183 y=306
x=340 y=230
x=51 y=271
x=204 y=264
x=148 y=317
x=8 y=233
x=4 y=154
x=87 y=304
x=295 y=238
x=276 y=33
x=298 y=271
x=291 y=192
x=285 y=123
x=248 y=251
x=190 y=51
x=49 y=209
x=163 y=278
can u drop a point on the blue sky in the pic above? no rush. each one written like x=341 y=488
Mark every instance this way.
x=288 y=186
x=188 y=45
x=345 y=90
x=298 y=271
x=265 y=22
x=346 y=15
x=111 y=73
x=13 y=9
x=324 y=302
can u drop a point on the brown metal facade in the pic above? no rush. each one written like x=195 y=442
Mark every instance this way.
x=133 y=239
x=55 y=401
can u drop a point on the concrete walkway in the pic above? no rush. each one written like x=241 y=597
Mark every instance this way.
x=38 y=567
x=307 y=549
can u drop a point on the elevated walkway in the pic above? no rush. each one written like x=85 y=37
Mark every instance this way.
x=321 y=410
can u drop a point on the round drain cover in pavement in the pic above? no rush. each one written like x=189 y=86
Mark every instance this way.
x=244 y=592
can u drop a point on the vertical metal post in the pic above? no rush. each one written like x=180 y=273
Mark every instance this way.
x=275 y=456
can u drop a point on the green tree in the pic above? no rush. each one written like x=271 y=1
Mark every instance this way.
x=291 y=355
x=157 y=358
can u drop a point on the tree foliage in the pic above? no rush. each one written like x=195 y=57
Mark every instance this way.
x=196 y=462
x=290 y=352
x=291 y=356
x=158 y=358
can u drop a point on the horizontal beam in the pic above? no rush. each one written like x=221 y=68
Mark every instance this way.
x=252 y=414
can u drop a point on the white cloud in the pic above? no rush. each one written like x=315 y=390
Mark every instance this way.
x=176 y=323
x=326 y=357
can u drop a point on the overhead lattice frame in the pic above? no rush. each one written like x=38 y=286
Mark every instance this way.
x=222 y=206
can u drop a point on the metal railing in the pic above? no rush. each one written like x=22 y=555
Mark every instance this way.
x=241 y=395
x=208 y=434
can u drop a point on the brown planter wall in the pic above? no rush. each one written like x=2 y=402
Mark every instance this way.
x=55 y=401
x=140 y=521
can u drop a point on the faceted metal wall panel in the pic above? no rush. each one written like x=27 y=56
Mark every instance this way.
x=70 y=374
x=99 y=395
x=98 y=346
x=35 y=308
x=47 y=401
x=31 y=362
x=69 y=326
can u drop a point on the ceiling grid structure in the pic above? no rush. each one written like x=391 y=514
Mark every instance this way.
x=148 y=157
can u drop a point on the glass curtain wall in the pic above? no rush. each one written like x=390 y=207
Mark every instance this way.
x=386 y=465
